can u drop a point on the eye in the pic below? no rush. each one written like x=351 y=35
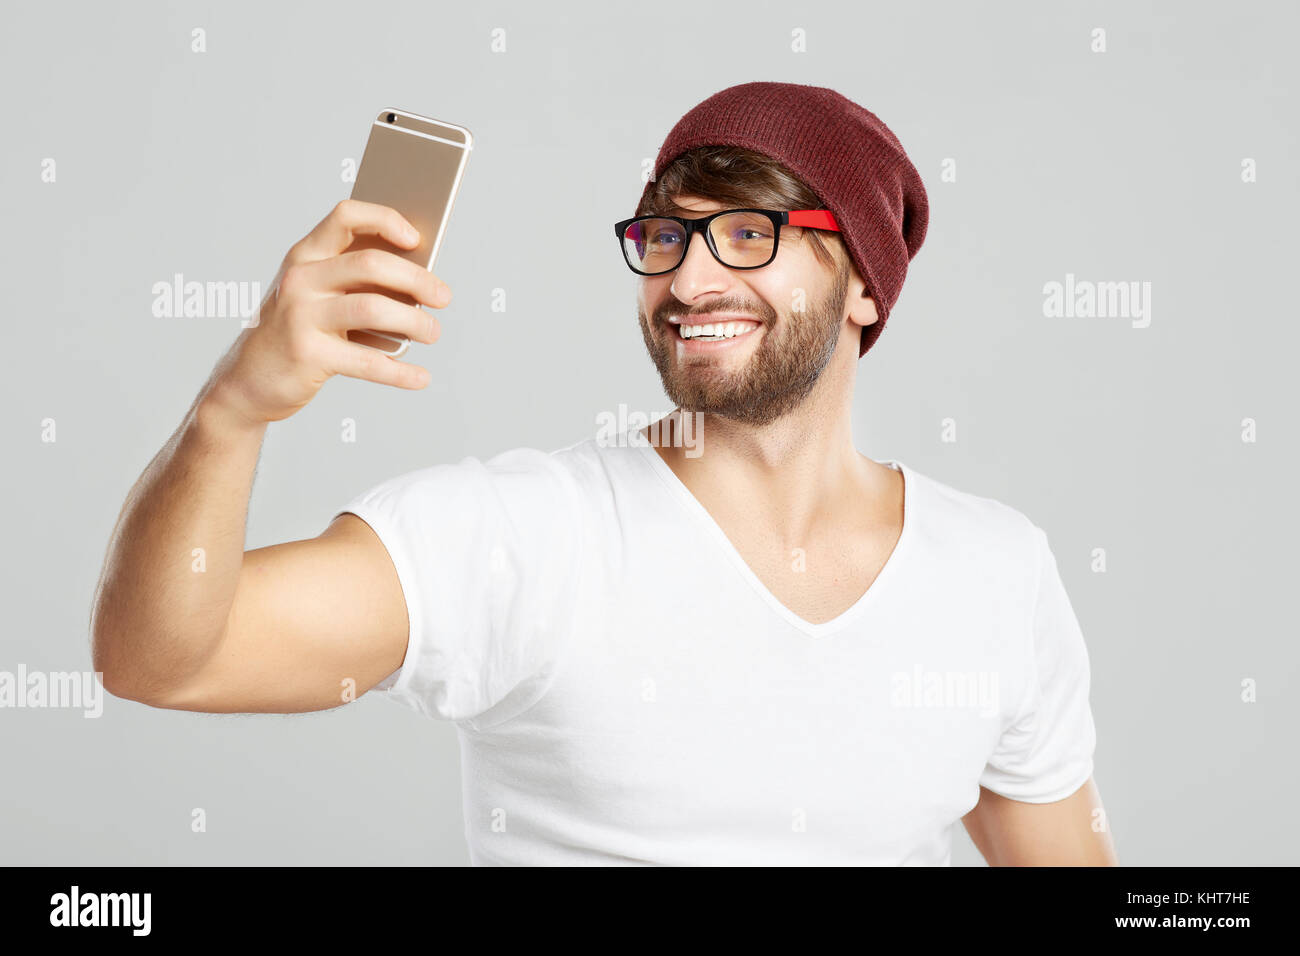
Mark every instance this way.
x=748 y=234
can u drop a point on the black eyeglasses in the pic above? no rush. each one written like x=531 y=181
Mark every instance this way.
x=738 y=238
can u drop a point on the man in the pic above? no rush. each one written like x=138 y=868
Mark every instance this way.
x=744 y=644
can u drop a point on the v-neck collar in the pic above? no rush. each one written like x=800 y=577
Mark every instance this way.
x=842 y=620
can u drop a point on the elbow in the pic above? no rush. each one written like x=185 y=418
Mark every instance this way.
x=113 y=676
x=119 y=655
x=111 y=657
x=102 y=659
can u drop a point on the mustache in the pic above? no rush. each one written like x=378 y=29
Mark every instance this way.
x=765 y=315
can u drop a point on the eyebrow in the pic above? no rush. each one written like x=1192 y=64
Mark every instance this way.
x=673 y=207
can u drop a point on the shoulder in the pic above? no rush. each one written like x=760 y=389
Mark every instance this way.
x=570 y=477
x=598 y=467
x=971 y=526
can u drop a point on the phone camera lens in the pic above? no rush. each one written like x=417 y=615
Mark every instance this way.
x=391 y=117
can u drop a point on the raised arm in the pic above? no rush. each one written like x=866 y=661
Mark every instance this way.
x=183 y=617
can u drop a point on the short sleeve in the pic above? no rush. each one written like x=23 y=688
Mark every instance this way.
x=1046 y=754
x=488 y=557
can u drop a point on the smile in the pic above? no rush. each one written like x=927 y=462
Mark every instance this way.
x=716 y=331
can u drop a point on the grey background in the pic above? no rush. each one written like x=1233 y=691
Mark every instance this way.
x=1122 y=166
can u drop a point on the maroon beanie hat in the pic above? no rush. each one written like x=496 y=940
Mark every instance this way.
x=843 y=152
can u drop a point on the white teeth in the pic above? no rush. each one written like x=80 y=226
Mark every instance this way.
x=718 y=330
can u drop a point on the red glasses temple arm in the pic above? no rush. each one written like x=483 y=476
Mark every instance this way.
x=814 y=219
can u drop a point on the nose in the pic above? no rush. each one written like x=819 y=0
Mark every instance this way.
x=699 y=273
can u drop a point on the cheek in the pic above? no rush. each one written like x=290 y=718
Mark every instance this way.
x=783 y=292
x=651 y=294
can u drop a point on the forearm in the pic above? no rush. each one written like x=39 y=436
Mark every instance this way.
x=175 y=555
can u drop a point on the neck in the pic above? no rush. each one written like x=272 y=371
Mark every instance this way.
x=795 y=475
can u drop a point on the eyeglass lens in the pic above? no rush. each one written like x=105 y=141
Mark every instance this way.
x=741 y=238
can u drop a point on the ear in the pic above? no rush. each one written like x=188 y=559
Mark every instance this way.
x=859 y=305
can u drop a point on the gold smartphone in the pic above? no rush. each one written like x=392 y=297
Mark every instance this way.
x=414 y=164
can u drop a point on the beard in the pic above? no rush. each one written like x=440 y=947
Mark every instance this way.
x=776 y=378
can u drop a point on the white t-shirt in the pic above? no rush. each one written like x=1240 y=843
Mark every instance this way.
x=611 y=712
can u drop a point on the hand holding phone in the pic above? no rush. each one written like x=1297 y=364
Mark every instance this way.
x=317 y=300
x=413 y=164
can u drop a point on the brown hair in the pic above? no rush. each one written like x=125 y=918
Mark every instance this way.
x=743 y=178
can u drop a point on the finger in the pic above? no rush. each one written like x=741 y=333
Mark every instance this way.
x=349 y=219
x=373 y=310
x=377 y=270
x=363 y=362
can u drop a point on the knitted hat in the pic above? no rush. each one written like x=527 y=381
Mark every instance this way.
x=845 y=154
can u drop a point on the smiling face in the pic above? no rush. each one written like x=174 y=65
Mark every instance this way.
x=748 y=345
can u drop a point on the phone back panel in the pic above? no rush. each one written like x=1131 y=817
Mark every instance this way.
x=413 y=164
